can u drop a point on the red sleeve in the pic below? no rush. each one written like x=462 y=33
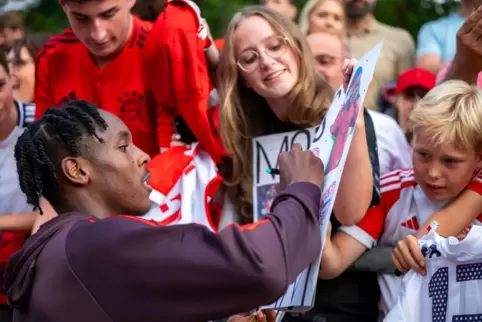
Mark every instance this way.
x=476 y=183
x=370 y=228
x=159 y=89
x=191 y=83
x=42 y=95
x=476 y=186
x=164 y=118
x=175 y=50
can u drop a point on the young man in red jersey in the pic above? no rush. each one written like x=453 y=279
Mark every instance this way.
x=98 y=59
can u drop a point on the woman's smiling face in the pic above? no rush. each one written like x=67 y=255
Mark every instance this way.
x=265 y=58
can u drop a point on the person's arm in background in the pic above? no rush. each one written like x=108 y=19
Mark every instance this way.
x=42 y=94
x=28 y=221
x=164 y=120
x=379 y=259
x=192 y=90
x=339 y=252
x=428 y=49
x=406 y=58
x=457 y=216
x=356 y=180
x=452 y=220
x=158 y=95
x=467 y=62
x=212 y=52
x=345 y=247
x=21 y=222
x=175 y=50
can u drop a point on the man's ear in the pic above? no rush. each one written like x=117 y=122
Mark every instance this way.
x=76 y=170
x=131 y=4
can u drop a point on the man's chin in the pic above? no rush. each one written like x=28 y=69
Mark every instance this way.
x=106 y=53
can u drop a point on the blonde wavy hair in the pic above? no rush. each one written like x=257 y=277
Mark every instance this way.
x=451 y=113
x=307 y=10
x=244 y=114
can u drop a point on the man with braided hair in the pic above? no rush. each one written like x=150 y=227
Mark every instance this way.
x=89 y=264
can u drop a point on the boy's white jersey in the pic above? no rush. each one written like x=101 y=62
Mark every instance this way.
x=403 y=208
x=452 y=288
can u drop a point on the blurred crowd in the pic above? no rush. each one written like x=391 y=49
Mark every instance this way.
x=185 y=87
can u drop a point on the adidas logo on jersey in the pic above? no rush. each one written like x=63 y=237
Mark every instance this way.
x=412 y=223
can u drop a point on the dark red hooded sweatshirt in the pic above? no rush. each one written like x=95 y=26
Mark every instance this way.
x=124 y=269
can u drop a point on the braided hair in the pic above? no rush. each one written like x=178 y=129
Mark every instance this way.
x=44 y=143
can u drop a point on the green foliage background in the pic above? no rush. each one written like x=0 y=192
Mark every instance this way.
x=408 y=14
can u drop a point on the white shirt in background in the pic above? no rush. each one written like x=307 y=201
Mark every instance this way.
x=13 y=200
x=394 y=152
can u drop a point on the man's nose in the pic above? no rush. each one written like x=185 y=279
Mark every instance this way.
x=143 y=158
x=98 y=31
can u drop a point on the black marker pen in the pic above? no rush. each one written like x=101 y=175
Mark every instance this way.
x=272 y=171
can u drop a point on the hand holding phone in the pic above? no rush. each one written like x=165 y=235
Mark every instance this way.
x=184 y=131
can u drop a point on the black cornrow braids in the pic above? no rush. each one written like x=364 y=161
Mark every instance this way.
x=44 y=143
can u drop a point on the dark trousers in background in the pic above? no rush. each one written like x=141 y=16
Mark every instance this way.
x=6 y=313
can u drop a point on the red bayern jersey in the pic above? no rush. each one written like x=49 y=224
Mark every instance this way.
x=65 y=71
x=177 y=79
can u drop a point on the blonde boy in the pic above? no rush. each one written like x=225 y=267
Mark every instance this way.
x=447 y=149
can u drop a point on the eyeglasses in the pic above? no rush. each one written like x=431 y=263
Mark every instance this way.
x=274 y=48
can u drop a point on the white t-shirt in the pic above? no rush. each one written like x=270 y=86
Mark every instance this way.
x=452 y=289
x=394 y=152
x=402 y=209
x=12 y=198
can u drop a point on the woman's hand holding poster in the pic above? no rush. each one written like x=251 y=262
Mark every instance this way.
x=331 y=142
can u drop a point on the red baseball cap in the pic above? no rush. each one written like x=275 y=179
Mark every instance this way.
x=415 y=77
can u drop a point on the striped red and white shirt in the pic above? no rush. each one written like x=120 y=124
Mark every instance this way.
x=402 y=209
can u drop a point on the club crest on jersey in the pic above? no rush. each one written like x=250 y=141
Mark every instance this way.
x=131 y=104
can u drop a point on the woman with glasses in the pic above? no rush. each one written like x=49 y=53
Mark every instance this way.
x=268 y=85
